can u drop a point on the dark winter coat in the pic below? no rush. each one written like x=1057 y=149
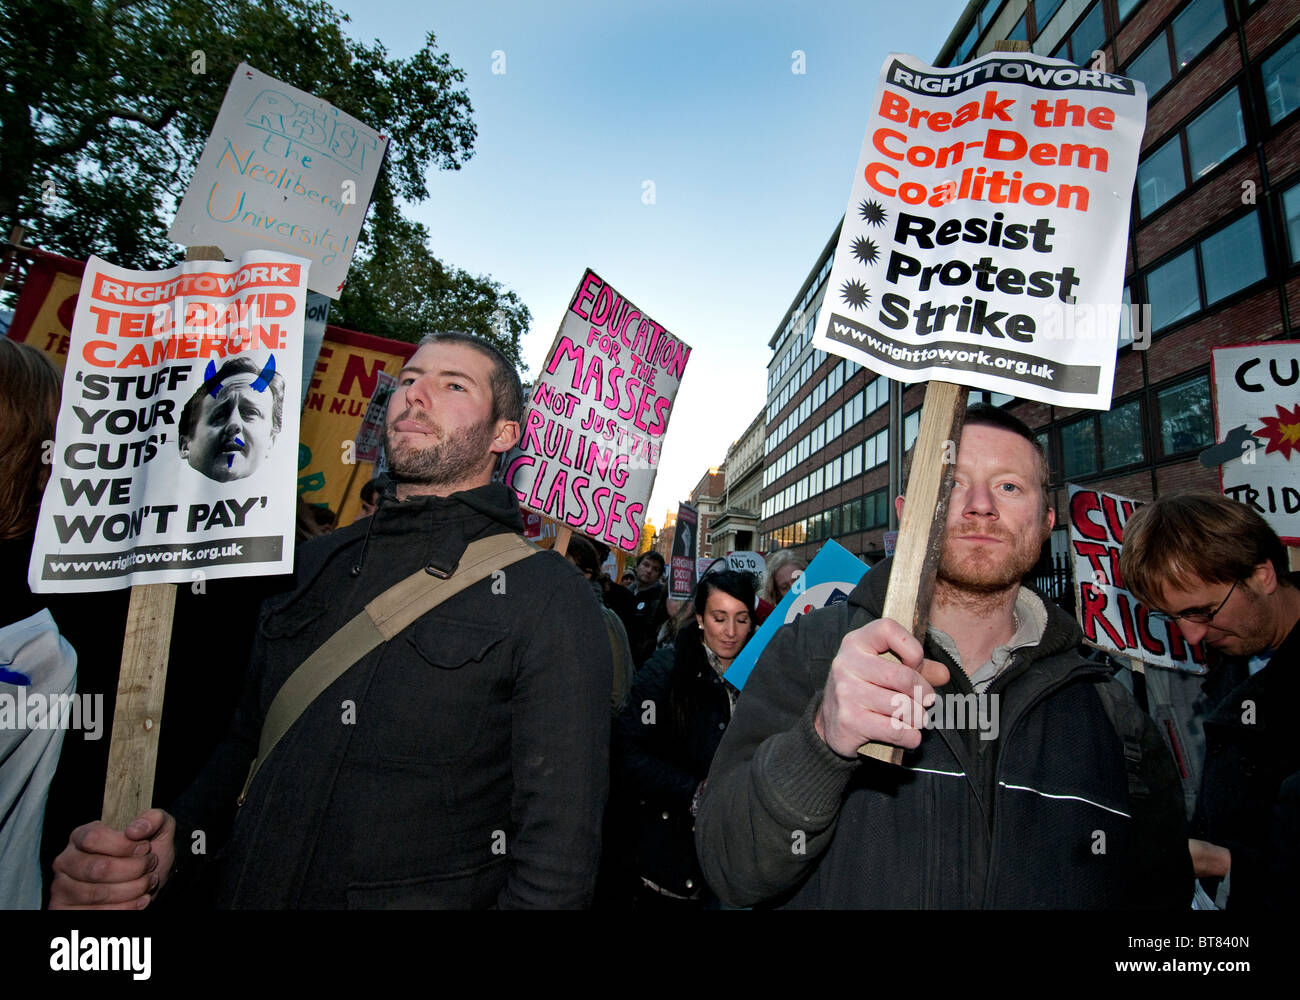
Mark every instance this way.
x=1250 y=750
x=464 y=763
x=1041 y=816
x=666 y=738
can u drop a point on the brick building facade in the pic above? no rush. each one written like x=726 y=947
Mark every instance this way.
x=1213 y=253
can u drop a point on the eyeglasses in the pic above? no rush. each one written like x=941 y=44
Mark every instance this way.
x=1197 y=616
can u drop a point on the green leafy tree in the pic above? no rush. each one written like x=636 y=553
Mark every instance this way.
x=105 y=107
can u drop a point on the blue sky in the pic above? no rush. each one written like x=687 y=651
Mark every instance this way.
x=751 y=165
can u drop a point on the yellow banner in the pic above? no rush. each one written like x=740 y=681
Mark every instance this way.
x=346 y=376
x=43 y=312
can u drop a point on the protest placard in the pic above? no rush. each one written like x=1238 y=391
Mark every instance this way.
x=350 y=371
x=175 y=448
x=748 y=562
x=593 y=434
x=372 y=432
x=46 y=304
x=282 y=169
x=313 y=335
x=984 y=242
x=1257 y=402
x=682 y=569
x=1112 y=618
x=829 y=579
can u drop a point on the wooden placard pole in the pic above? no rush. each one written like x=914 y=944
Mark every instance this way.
x=925 y=516
x=137 y=719
x=920 y=535
x=562 y=535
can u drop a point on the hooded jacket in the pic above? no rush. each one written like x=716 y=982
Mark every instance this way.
x=1040 y=816
x=461 y=764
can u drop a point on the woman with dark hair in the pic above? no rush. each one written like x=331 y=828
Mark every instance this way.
x=29 y=407
x=35 y=660
x=667 y=735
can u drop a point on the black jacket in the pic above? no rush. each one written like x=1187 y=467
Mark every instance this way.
x=666 y=737
x=1250 y=750
x=1038 y=817
x=463 y=763
x=649 y=612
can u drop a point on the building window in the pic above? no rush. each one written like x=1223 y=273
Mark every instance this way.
x=1291 y=209
x=911 y=427
x=1045 y=444
x=875 y=512
x=1044 y=11
x=1185 y=420
x=876 y=449
x=1127 y=7
x=1079 y=448
x=877 y=394
x=1173 y=47
x=1232 y=258
x=1281 y=76
x=1151 y=65
x=1226 y=261
x=1121 y=435
x=1195 y=28
x=1172 y=291
x=1160 y=177
x=1215 y=134
x=1086 y=38
x=852 y=519
x=853 y=409
x=1020 y=33
x=851 y=463
x=1211 y=137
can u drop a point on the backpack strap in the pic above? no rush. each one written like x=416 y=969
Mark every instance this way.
x=1129 y=723
x=384 y=617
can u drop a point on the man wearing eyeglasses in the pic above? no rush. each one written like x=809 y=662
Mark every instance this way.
x=1219 y=570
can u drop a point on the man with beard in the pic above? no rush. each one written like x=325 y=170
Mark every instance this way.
x=1038 y=785
x=461 y=763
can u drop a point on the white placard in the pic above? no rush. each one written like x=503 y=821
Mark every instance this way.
x=593 y=434
x=176 y=448
x=984 y=240
x=282 y=170
x=1257 y=404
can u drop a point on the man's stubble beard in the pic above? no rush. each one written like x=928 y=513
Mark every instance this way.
x=986 y=572
x=443 y=461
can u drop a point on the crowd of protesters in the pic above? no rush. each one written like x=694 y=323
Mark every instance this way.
x=671 y=704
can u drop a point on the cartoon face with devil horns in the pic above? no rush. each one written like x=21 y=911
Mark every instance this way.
x=231 y=422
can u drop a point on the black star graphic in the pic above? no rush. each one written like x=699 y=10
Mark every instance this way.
x=873 y=212
x=855 y=294
x=865 y=250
